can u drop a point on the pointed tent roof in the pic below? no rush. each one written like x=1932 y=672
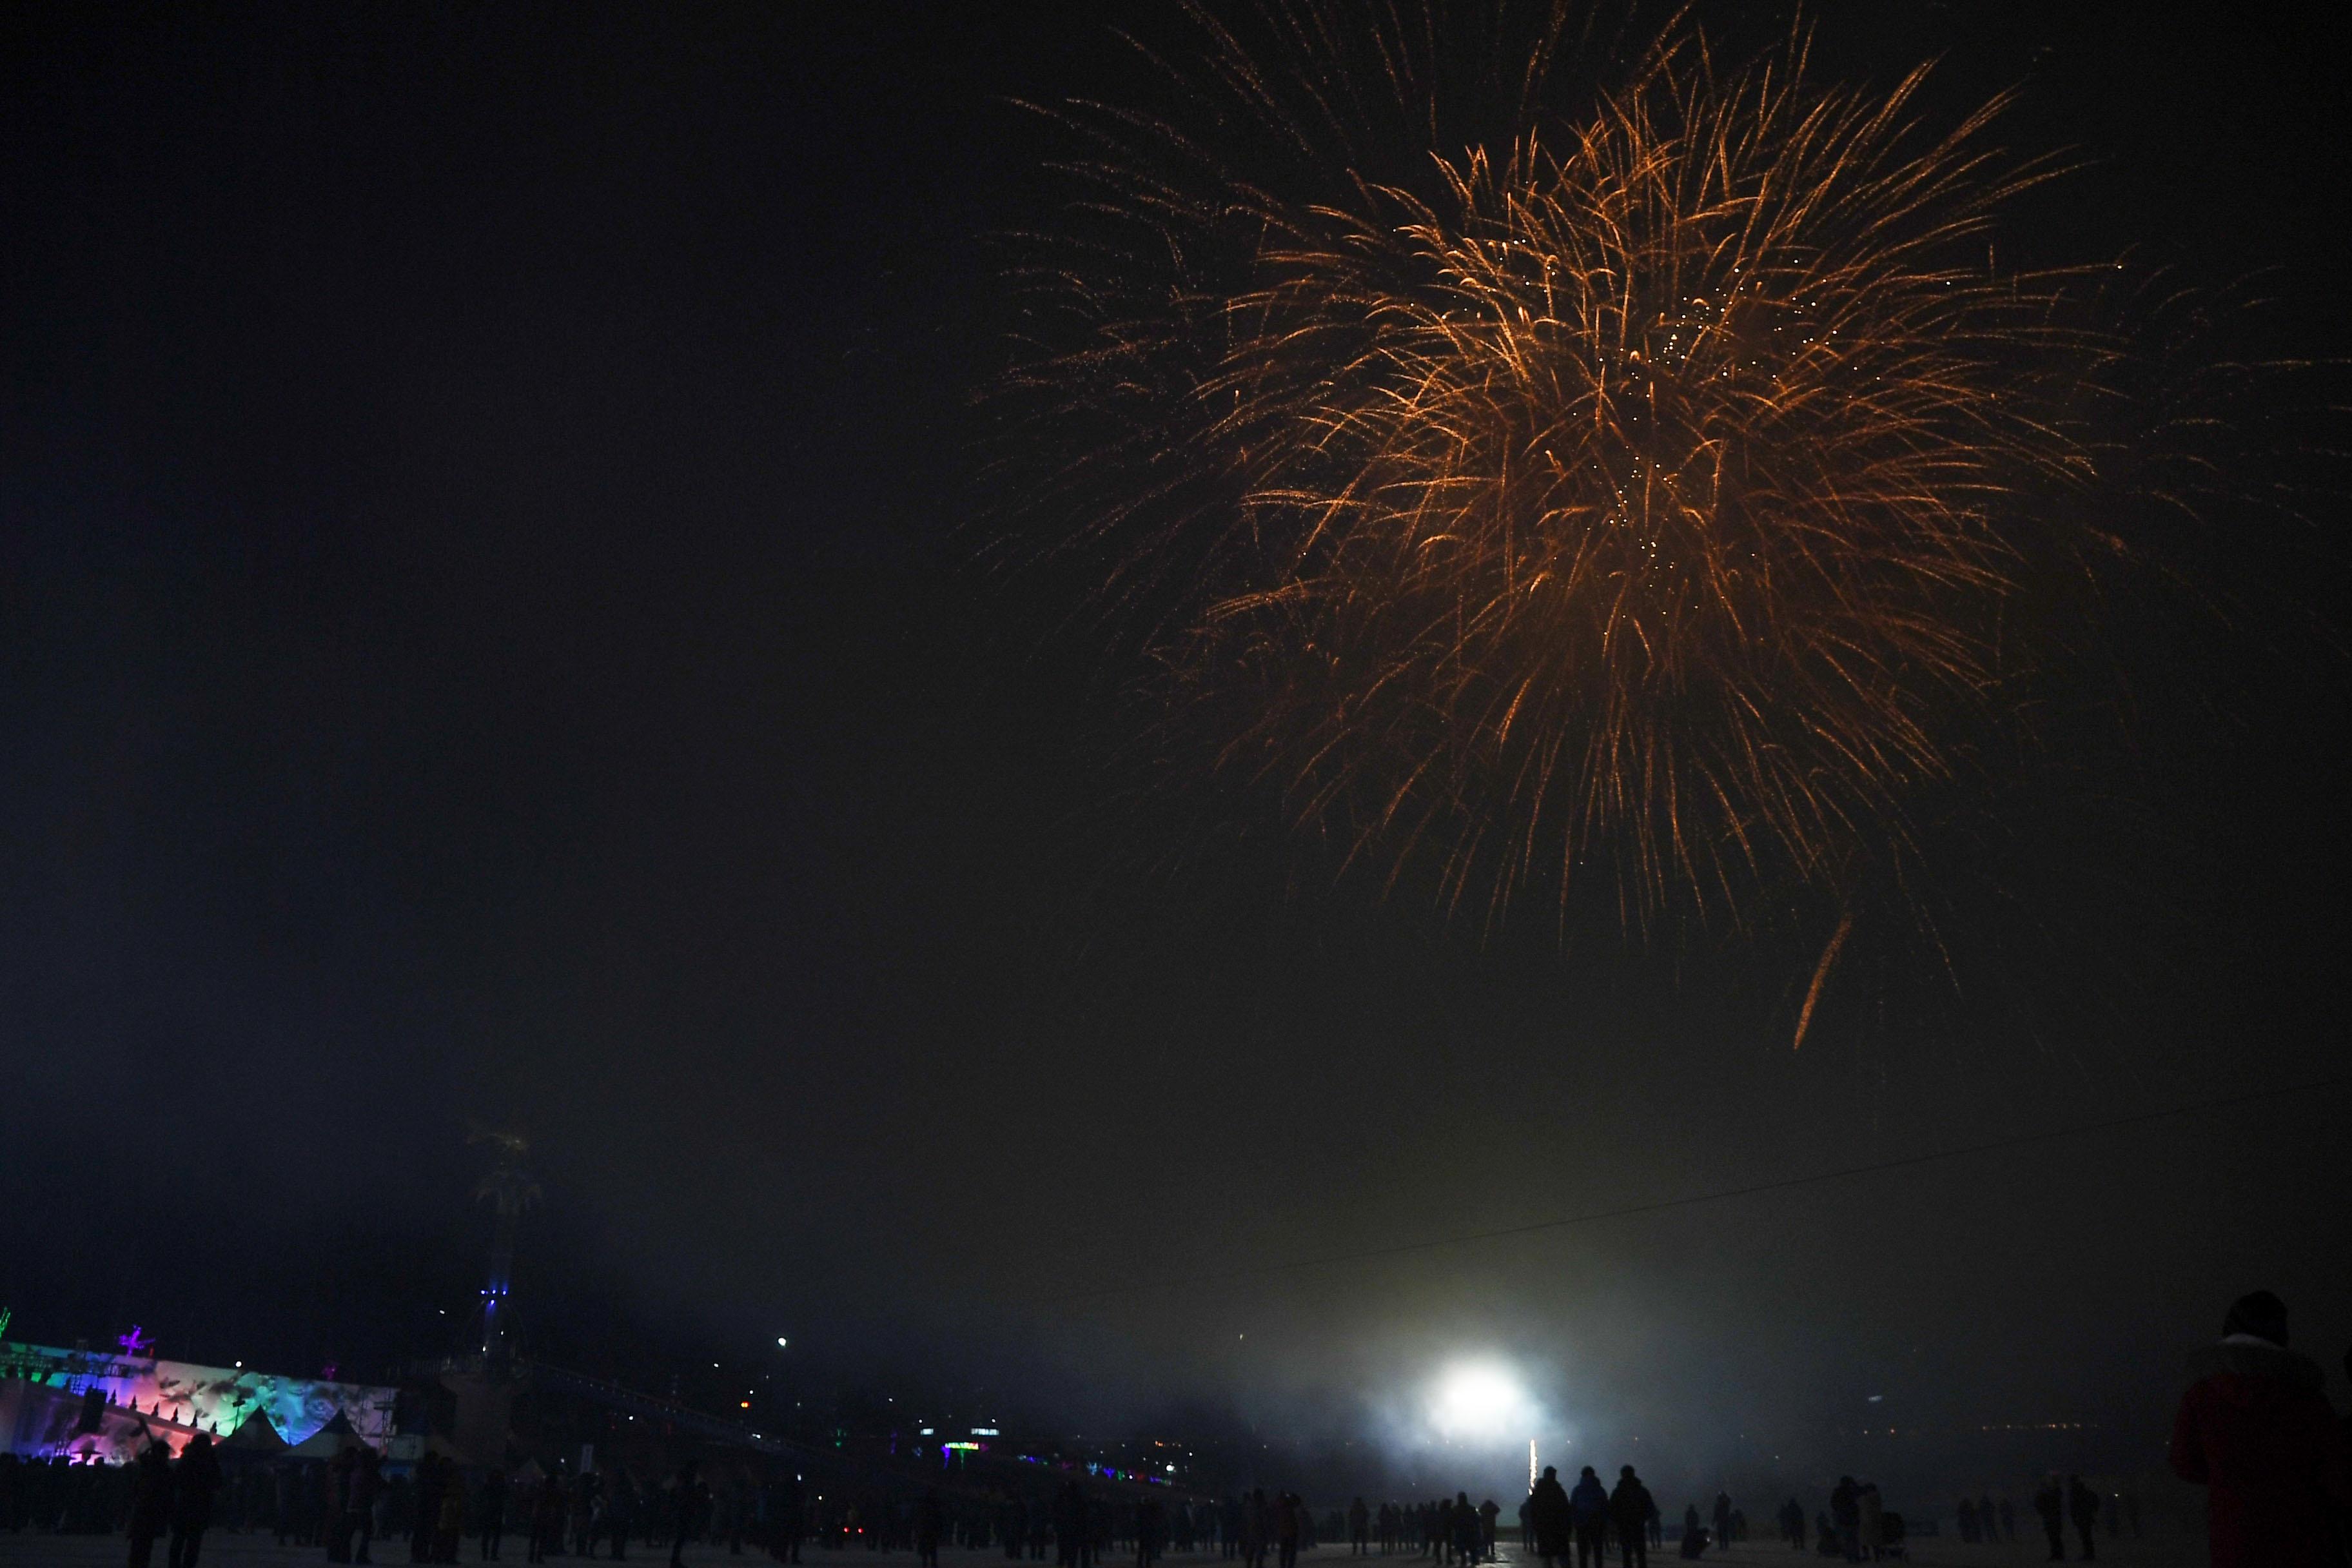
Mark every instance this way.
x=257 y=1432
x=329 y=1440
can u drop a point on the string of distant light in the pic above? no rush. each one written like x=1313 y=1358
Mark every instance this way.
x=1471 y=1238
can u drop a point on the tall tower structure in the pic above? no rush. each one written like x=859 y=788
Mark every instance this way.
x=509 y=1189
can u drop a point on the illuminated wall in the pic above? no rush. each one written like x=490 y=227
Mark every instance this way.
x=172 y=1400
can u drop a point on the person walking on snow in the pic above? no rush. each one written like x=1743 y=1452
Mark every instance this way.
x=1630 y=1509
x=1588 y=1510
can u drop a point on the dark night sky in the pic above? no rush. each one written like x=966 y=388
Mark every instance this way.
x=481 y=638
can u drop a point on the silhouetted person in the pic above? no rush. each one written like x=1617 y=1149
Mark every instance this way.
x=791 y=1522
x=1150 y=1531
x=1694 y=1532
x=1359 y=1530
x=1469 y=1535
x=1589 y=1506
x=336 y=1531
x=1549 y=1519
x=622 y=1503
x=1792 y=1523
x=584 y=1493
x=451 y=1536
x=2083 y=1503
x=493 y=1514
x=926 y=1531
x=1985 y=1521
x=428 y=1508
x=2255 y=1431
x=1872 y=1534
x=2050 y=1502
x=1074 y=1531
x=1489 y=1512
x=367 y=1489
x=1630 y=1509
x=542 y=1517
x=1845 y=1513
x=150 y=1500
x=1722 y=1519
x=195 y=1480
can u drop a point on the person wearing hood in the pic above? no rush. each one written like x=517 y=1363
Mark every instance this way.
x=1548 y=1518
x=2256 y=1431
x=1631 y=1506
x=1589 y=1506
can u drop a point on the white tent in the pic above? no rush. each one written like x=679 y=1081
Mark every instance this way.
x=329 y=1440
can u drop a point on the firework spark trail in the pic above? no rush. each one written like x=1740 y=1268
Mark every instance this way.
x=1821 y=977
x=1641 y=490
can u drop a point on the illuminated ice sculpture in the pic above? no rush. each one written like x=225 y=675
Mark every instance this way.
x=101 y=1407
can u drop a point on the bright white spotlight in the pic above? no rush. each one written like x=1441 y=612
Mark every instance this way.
x=1479 y=1400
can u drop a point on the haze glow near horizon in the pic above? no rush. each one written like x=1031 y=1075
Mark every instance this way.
x=1480 y=1401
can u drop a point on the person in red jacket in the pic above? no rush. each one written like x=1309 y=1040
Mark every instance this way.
x=2256 y=1433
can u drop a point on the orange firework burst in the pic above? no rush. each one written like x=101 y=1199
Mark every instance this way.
x=1644 y=488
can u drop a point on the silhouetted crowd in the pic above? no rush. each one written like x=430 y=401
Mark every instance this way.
x=156 y=1498
x=1585 y=1519
x=2254 y=1429
x=349 y=1507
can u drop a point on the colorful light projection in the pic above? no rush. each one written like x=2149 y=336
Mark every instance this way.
x=1107 y=1472
x=99 y=1406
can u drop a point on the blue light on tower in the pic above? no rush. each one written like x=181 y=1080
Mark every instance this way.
x=511 y=1190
